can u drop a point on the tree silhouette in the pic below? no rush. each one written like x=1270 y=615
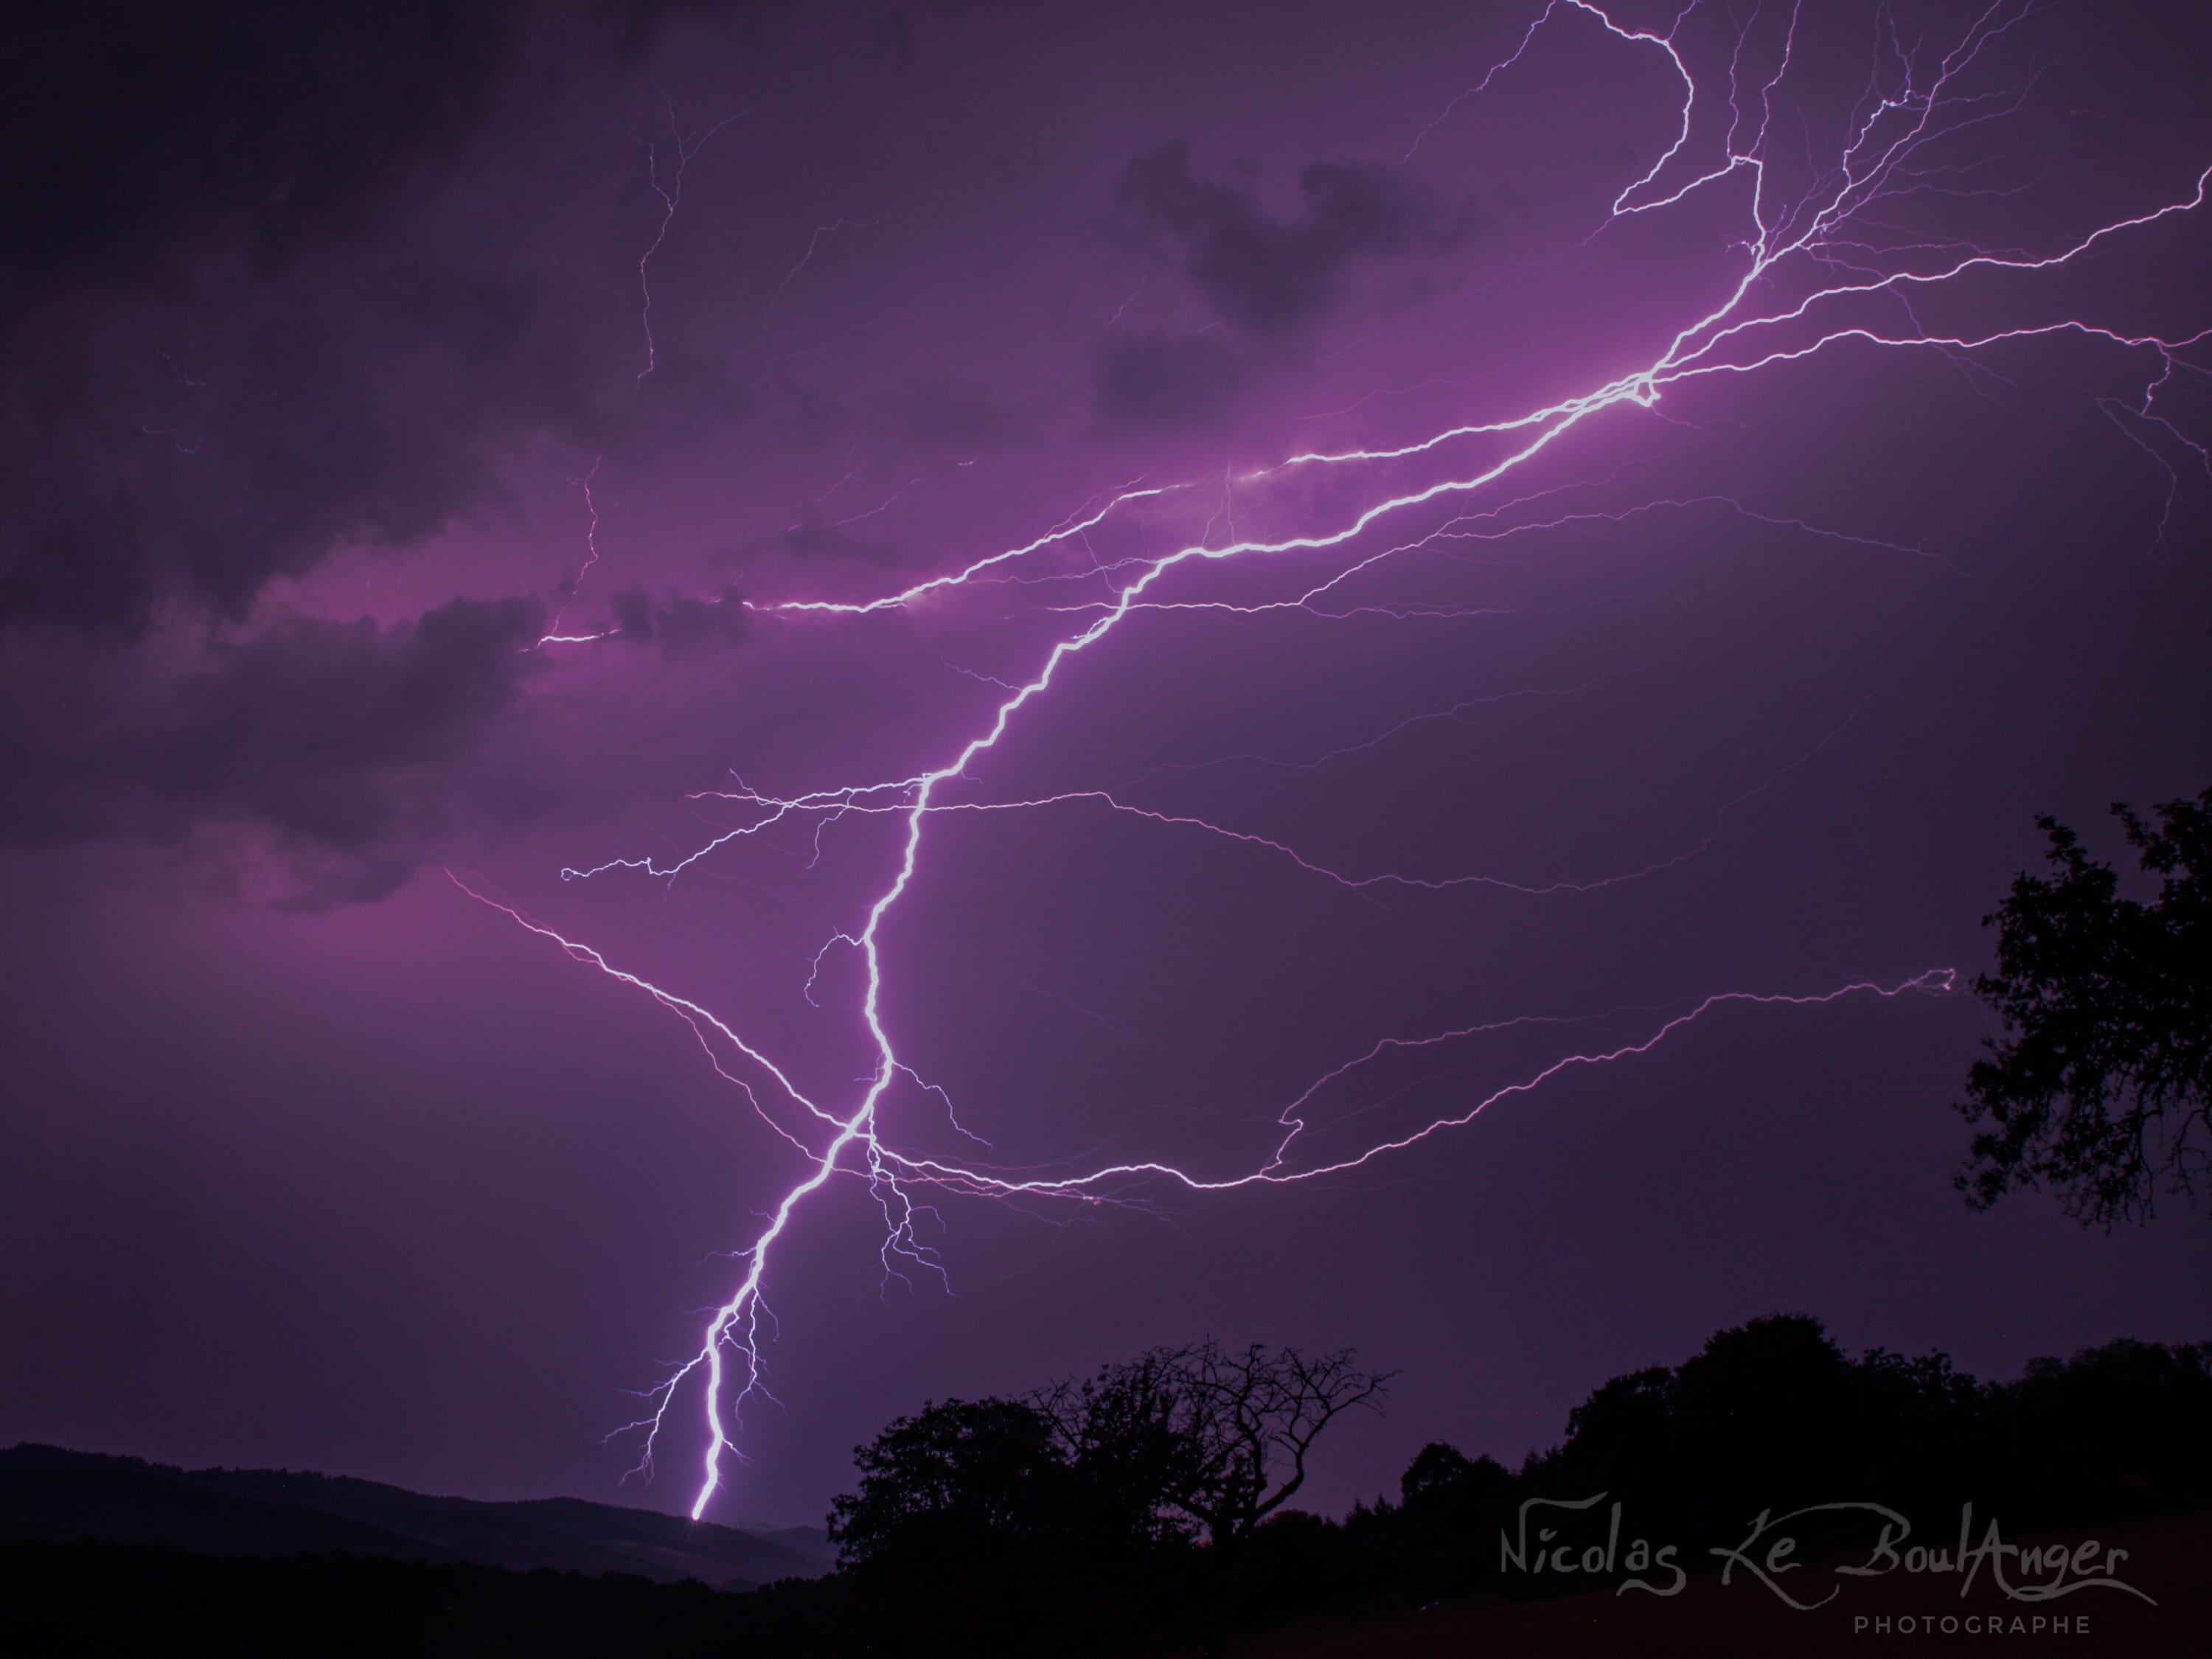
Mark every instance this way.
x=1219 y=1436
x=2102 y=1084
x=962 y=1538
x=953 y=1480
x=1068 y=1522
x=1442 y=1473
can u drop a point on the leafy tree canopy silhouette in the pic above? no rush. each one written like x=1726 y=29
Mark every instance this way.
x=1070 y=1520
x=2101 y=1086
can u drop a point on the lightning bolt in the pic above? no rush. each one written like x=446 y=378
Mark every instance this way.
x=807 y=258
x=672 y=197
x=1819 y=274
x=553 y=635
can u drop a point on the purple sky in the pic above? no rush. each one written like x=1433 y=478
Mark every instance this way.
x=329 y=364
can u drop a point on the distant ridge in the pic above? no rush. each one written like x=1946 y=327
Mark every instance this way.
x=51 y=1494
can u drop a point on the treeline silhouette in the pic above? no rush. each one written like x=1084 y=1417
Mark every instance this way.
x=1064 y=1522
x=1148 y=1509
x=1773 y=1416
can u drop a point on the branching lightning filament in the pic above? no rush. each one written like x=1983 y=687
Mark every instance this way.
x=1818 y=274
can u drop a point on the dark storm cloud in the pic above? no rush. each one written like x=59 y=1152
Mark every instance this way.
x=679 y=623
x=341 y=740
x=233 y=342
x=1167 y=381
x=370 y=406
x=804 y=416
x=138 y=134
x=1271 y=276
x=954 y=415
x=895 y=37
x=139 y=140
x=634 y=22
x=818 y=537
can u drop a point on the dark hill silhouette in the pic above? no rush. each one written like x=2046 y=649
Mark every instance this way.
x=1072 y=1522
x=49 y=1493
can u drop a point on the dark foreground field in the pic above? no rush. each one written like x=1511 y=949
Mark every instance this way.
x=87 y=1598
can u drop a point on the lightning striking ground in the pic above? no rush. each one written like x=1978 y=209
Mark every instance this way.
x=1819 y=274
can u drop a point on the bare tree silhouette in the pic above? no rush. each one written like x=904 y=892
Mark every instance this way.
x=1221 y=1436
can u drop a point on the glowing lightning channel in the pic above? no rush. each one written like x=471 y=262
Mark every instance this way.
x=812 y=243
x=553 y=635
x=1896 y=119
x=671 y=195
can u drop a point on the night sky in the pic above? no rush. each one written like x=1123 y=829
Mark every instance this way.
x=351 y=352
